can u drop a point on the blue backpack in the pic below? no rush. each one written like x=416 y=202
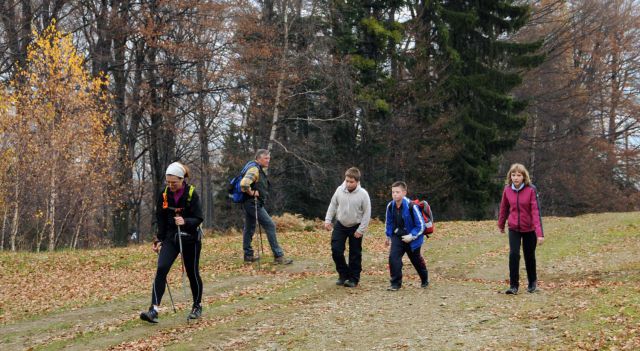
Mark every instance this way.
x=235 y=193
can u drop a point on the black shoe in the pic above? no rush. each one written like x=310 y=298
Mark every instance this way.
x=150 y=316
x=340 y=281
x=393 y=288
x=251 y=259
x=512 y=291
x=282 y=260
x=533 y=287
x=196 y=312
x=424 y=285
x=350 y=284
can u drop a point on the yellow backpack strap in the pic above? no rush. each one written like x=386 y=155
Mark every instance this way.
x=190 y=195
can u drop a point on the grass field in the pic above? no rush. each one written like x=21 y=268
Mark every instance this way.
x=588 y=268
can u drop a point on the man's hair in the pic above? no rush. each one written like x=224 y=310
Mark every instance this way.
x=262 y=152
x=354 y=173
x=399 y=184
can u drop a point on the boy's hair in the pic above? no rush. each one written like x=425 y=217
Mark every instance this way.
x=262 y=152
x=354 y=173
x=400 y=184
x=520 y=168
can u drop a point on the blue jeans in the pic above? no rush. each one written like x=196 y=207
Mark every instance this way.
x=250 y=228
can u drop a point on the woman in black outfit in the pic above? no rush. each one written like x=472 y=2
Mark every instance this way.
x=179 y=213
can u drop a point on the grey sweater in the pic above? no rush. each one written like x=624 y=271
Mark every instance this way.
x=350 y=208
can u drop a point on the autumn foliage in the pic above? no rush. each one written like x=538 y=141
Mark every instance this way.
x=56 y=144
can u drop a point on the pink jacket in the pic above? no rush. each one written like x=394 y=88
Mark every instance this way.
x=521 y=207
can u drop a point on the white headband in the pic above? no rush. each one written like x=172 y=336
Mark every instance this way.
x=175 y=169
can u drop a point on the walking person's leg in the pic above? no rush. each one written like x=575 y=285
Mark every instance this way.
x=529 y=243
x=355 y=256
x=192 y=264
x=270 y=228
x=167 y=255
x=514 y=260
x=395 y=262
x=248 y=230
x=415 y=256
x=338 y=244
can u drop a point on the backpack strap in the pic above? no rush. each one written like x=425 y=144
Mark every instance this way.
x=165 y=202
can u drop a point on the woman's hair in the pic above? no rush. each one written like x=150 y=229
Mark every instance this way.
x=399 y=184
x=186 y=170
x=354 y=173
x=520 y=168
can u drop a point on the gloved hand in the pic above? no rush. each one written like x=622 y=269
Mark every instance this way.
x=407 y=238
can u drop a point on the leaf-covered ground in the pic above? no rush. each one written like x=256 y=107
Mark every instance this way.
x=589 y=271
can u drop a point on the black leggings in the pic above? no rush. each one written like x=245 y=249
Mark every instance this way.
x=168 y=254
x=529 y=242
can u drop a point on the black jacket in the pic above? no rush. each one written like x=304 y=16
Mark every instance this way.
x=191 y=212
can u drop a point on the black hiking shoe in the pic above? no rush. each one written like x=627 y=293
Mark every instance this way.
x=512 y=291
x=340 y=281
x=424 y=285
x=196 y=312
x=350 y=283
x=150 y=316
x=251 y=259
x=282 y=260
x=393 y=288
x=533 y=287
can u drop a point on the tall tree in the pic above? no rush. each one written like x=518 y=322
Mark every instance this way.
x=483 y=69
x=56 y=134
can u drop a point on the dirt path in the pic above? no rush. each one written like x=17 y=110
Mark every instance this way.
x=589 y=299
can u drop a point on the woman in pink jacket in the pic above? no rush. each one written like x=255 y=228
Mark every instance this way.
x=519 y=207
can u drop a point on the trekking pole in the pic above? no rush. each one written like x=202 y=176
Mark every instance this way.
x=171 y=298
x=184 y=288
x=255 y=203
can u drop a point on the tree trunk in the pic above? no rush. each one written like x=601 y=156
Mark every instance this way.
x=283 y=65
x=205 y=162
x=15 y=223
x=4 y=226
x=52 y=213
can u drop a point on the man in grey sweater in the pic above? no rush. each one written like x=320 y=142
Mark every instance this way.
x=351 y=207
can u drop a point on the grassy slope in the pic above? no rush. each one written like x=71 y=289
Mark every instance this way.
x=588 y=271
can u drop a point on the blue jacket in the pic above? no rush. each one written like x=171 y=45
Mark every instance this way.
x=413 y=224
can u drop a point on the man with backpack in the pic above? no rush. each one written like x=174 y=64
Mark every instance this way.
x=405 y=228
x=255 y=185
x=351 y=207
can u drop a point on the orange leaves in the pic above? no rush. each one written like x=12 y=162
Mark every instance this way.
x=56 y=136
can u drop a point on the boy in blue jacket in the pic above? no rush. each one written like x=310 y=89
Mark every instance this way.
x=404 y=229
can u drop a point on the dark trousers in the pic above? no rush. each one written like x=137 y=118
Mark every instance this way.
x=339 y=238
x=529 y=242
x=250 y=228
x=398 y=249
x=168 y=254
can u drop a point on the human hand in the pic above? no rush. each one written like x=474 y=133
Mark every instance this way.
x=328 y=226
x=501 y=230
x=357 y=235
x=255 y=193
x=407 y=238
x=540 y=240
x=387 y=242
x=157 y=245
x=179 y=220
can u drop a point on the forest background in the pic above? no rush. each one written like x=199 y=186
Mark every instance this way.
x=99 y=96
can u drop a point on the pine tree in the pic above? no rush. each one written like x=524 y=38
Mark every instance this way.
x=484 y=67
